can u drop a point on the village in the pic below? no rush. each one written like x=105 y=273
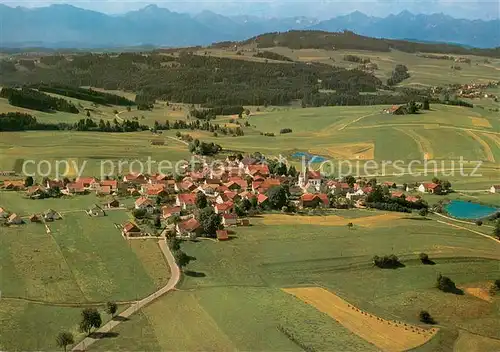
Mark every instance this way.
x=164 y=205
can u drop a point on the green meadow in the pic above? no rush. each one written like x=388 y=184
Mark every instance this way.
x=46 y=278
x=231 y=298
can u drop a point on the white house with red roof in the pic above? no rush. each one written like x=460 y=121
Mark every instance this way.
x=429 y=188
x=145 y=204
x=167 y=212
x=224 y=208
x=184 y=200
x=189 y=228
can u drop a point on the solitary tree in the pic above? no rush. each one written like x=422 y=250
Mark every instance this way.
x=425 y=317
x=201 y=200
x=28 y=181
x=91 y=318
x=423 y=212
x=350 y=225
x=426 y=105
x=64 y=339
x=111 y=308
x=278 y=197
x=496 y=230
x=181 y=258
x=209 y=221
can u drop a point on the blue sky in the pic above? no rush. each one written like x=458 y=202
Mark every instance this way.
x=484 y=9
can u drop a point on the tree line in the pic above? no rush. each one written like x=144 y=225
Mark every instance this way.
x=16 y=121
x=31 y=99
x=84 y=94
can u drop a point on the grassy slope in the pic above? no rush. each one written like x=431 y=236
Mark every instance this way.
x=243 y=277
x=83 y=259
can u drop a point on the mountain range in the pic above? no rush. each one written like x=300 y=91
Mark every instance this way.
x=67 y=26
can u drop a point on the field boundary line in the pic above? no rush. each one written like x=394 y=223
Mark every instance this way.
x=486 y=147
x=175 y=275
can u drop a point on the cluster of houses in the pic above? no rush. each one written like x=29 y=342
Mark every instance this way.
x=15 y=219
x=476 y=90
x=224 y=186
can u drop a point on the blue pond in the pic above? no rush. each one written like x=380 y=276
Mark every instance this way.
x=309 y=157
x=470 y=211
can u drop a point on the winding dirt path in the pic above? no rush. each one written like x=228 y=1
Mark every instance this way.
x=172 y=282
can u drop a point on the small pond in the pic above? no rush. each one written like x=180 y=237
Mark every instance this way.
x=470 y=211
x=309 y=157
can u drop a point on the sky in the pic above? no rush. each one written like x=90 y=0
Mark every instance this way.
x=321 y=9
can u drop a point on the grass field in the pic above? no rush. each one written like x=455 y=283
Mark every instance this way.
x=45 y=279
x=234 y=288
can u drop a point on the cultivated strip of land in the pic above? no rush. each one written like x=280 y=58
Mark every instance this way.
x=486 y=148
x=387 y=335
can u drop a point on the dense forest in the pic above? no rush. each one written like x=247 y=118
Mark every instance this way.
x=195 y=79
x=31 y=99
x=84 y=94
x=350 y=40
x=272 y=56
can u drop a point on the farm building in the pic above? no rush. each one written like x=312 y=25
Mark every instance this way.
x=35 y=218
x=244 y=222
x=112 y=203
x=14 y=219
x=222 y=235
x=51 y=215
x=396 y=110
x=35 y=191
x=314 y=200
x=224 y=208
x=13 y=185
x=189 y=229
x=131 y=230
x=229 y=220
x=96 y=211
x=429 y=188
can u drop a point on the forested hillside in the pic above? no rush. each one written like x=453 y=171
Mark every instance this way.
x=350 y=40
x=191 y=78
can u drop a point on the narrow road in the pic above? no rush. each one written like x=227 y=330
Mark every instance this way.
x=172 y=282
x=473 y=231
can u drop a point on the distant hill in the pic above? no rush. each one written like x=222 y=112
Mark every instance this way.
x=348 y=40
x=66 y=26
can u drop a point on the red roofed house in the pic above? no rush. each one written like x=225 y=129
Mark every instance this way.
x=171 y=211
x=113 y=184
x=190 y=228
x=35 y=191
x=3 y=213
x=14 y=185
x=144 y=203
x=397 y=194
x=255 y=170
x=314 y=200
x=184 y=200
x=185 y=186
x=229 y=219
x=55 y=184
x=154 y=190
x=222 y=235
x=135 y=178
x=241 y=182
x=429 y=188
x=75 y=188
x=262 y=199
x=86 y=181
x=224 y=208
x=103 y=190
x=412 y=199
x=131 y=230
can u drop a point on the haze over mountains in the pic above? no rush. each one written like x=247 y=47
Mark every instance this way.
x=60 y=26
